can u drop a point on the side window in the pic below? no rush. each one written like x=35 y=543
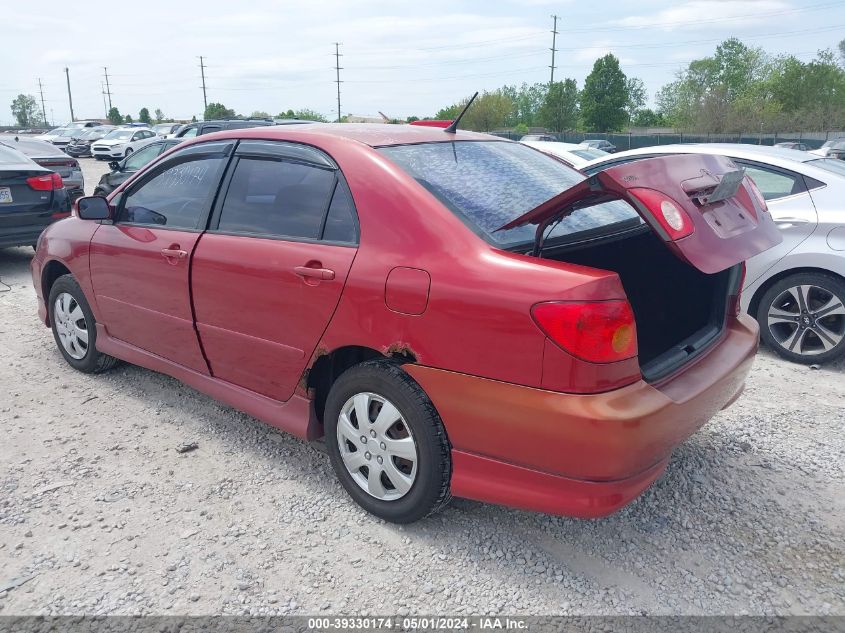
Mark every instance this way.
x=141 y=158
x=208 y=129
x=279 y=198
x=189 y=133
x=340 y=221
x=177 y=197
x=774 y=184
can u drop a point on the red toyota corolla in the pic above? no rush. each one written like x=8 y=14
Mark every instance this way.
x=458 y=314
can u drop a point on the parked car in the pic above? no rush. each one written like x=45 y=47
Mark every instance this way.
x=81 y=143
x=802 y=147
x=121 y=171
x=166 y=129
x=121 y=142
x=78 y=125
x=605 y=146
x=31 y=198
x=539 y=137
x=425 y=298
x=573 y=155
x=796 y=291
x=199 y=128
x=49 y=136
x=49 y=156
x=831 y=149
x=66 y=136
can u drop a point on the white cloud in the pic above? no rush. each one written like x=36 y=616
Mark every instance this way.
x=714 y=14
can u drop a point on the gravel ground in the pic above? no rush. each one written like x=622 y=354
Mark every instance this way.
x=99 y=514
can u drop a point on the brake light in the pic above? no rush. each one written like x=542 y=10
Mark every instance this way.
x=595 y=331
x=47 y=182
x=668 y=213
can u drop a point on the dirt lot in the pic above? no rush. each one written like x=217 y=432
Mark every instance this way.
x=100 y=514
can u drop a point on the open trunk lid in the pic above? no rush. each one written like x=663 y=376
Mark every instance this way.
x=704 y=207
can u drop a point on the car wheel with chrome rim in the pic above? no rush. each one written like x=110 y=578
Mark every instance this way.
x=802 y=317
x=387 y=443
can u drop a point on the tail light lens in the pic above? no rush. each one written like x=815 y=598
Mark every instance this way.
x=595 y=331
x=757 y=193
x=668 y=213
x=47 y=182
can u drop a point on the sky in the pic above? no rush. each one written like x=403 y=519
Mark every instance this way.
x=400 y=58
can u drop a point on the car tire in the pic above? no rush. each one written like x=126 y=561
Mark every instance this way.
x=802 y=318
x=68 y=309
x=127 y=152
x=411 y=454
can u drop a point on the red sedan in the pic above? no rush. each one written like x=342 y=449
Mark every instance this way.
x=457 y=314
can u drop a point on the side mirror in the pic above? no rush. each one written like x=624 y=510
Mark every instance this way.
x=93 y=208
x=114 y=165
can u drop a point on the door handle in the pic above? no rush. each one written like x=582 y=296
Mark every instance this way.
x=315 y=273
x=174 y=252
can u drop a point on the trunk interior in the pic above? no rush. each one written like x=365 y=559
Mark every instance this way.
x=678 y=309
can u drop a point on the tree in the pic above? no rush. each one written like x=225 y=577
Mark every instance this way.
x=127 y=118
x=114 y=116
x=527 y=101
x=636 y=97
x=559 y=111
x=411 y=119
x=144 y=116
x=648 y=118
x=25 y=110
x=605 y=96
x=290 y=114
x=259 y=114
x=218 y=111
x=159 y=115
x=307 y=114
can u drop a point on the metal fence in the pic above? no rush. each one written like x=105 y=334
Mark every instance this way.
x=813 y=140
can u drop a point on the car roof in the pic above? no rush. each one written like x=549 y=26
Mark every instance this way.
x=552 y=145
x=774 y=155
x=31 y=147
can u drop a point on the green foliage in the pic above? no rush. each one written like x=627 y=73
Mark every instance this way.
x=559 y=111
x=527 y=101
x=25 y=110
x=450 y=112
x=647 y=117
x=520 y=128
x=411 y=119
x=259 y=114
x=127 y=118
x=218 y=111
x=605 y=96
x=305 y=113
x=114 y=116
x=144 y=116
x=636 y=97
x=159 y=115
x=743 y=89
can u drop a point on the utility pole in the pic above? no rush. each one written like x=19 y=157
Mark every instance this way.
x=69 y=98
x=204 y=98
x=105 y=107
x=108 y=88
x=337 y=68
x=554 y=50
x=43 y=109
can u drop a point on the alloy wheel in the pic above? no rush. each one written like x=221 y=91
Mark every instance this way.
x=377 y=446
x=71 y=325
x=807 y=319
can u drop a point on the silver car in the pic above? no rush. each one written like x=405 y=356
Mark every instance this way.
x=796 y=290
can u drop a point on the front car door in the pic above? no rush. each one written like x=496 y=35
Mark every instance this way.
x=268 y=274
x=140 y=264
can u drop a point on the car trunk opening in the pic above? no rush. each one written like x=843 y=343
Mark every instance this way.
x=679 y=310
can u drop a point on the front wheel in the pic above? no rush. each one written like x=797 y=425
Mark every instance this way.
x=802 y=318
x=127 y=152
x=387 y=443
x=74 y=327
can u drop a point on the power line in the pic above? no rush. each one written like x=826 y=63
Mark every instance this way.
x=554 y=40
x=337 y=68
x=69 y=97
x=43 y=109
x=204 y=98
x=108 y=88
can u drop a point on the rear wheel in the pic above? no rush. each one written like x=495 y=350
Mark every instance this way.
x=387 y=443
x=74 y=327
x=127 y=152
x=802 y=318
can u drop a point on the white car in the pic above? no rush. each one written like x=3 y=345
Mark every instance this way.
x=834 y=148
x=49 y=136
x=573 y=155
x=121 y=142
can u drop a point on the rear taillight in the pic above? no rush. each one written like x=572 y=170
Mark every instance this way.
x=47 y=182
x=595 y=331
x=668 y=213
x=757 y=194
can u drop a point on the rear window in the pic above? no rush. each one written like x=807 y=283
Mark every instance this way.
x=9 y=156
x=489 y=183
x=833 y=165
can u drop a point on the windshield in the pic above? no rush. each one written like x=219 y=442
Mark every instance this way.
x=75 y=132
x=119 y=134
x=490 y=183
x=833 y=165
x=163 y=128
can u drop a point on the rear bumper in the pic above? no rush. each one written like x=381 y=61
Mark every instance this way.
x=580 y=455
x=20 y=236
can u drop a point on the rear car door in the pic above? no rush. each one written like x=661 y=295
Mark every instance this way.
x=268 y=274
x=140 y=265
x=791 y=207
